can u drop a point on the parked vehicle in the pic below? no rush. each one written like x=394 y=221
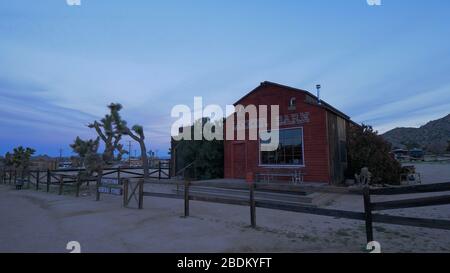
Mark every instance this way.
x=400 y=154
x=417 y=155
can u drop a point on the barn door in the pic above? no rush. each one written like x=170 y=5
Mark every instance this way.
x=239 y=160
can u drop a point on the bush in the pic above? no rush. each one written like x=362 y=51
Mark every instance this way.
x=206 y=156
x=368 y=149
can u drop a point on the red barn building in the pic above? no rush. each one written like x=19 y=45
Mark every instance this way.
x=313 y=138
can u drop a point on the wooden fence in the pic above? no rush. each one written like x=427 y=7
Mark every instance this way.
x=135 y=189
x=366 y=216
x=68 y=177
x=370 y=207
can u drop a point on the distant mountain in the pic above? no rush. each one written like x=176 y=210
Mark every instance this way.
x=433 y=137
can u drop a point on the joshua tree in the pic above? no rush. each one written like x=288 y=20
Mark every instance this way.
x=8 y=160
x=87 y=151
x=110 y=137
x=136 y=133
x=20 y=159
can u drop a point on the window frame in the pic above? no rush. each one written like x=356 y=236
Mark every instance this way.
x=284 y=166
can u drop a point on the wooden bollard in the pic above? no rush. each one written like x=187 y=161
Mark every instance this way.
x=186 y=198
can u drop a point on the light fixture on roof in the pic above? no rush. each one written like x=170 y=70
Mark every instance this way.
x=318 y=86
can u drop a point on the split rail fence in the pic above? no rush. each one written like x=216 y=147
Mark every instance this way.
x=61 y=179
x=367 y=215
x=133 y=187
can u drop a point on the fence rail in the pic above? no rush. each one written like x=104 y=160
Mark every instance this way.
x=365 y=215
x=68 y=177
x=60 y=178
x=370 y=207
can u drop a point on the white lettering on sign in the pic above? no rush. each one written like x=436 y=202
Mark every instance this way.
x=110 y=181
x=285 y=120
x=112 y=191
x=294 y=119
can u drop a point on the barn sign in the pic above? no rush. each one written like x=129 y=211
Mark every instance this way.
x=294 y=119
x=284 y=120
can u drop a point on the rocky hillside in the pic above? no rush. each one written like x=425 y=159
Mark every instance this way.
x=433 y=137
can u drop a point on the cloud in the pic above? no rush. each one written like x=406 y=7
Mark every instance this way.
x=410 y=110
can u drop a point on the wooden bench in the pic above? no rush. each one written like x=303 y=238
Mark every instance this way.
x=295 y=177
x=19 y=183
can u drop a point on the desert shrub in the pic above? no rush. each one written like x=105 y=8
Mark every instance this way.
x=368 y=149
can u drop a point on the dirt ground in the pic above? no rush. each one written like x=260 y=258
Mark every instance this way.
x=33 y=221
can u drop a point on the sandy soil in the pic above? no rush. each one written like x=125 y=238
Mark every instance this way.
x=33 y=221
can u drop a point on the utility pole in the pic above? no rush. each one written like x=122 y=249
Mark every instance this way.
x=129 y=153
x=60 y=155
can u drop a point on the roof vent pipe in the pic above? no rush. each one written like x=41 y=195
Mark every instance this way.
x=318 y=93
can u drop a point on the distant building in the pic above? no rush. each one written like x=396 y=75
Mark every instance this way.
x=64 y=164
x=43 y=163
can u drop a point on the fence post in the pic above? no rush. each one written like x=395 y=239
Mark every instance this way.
x=186 y=198
x=252 y=205
x=125 y=192
x=169 y=170
x=29 y=180
x=368 y=214
x=38 y=178
x=77 y=193
x=97 y=188
x=61 y=184
x=49 y=179
x=159 y=170
x=141 y=193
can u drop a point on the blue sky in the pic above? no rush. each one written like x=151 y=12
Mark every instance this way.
x=60 y=65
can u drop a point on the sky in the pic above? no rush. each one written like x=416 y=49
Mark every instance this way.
x=60 y=65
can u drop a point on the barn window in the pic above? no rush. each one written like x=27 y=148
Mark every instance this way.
x=292 y=103
x=289 y=152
